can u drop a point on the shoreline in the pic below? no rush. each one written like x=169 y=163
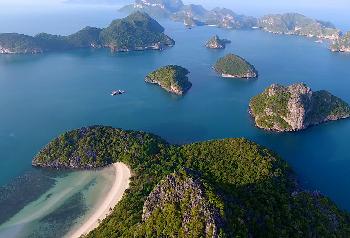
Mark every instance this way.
x=121 y=183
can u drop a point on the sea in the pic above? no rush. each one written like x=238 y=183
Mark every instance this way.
x=43 y=96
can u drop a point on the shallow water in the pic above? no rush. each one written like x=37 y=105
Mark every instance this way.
x=42 y=96
x=65 y=205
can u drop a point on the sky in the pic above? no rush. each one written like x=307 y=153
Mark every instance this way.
x=336 y=11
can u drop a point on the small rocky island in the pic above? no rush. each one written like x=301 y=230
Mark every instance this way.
x=342 y=44
x=295 y=108
x=298 y=24
x=233 y=66
x=138 y=31
x=216 y=43
x=172 y=78
x=206 y=189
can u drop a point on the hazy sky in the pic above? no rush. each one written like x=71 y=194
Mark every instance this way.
x=245 y=3
x=336 y=11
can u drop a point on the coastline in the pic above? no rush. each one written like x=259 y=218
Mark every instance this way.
x=121 y=183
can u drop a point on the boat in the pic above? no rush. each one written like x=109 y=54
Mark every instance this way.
x=117 y=92
x=319 y=41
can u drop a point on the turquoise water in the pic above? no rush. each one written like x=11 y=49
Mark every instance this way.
x=64 y=206
x=42 y=96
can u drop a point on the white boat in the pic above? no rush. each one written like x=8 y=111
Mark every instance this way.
x=117 y=92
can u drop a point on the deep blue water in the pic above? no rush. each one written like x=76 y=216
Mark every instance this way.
x=42 y=96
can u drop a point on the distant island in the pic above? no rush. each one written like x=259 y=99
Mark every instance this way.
x=295 y=108
x=233 y=66
x=137 y=31
x=216 y=43
x=342 y=44
x=218 y=188
x=297 y=24
x=172 y=78
x=192 y=14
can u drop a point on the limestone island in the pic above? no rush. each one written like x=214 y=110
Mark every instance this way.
x=233 y=66
x=342 y=44
x=218 y=188
x=216 y=43
x=172 y=78
x=192 y=14
x=138 y=31
x=298 y=24
x=295 y=108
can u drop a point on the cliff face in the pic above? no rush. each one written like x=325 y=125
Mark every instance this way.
x=188 y=195
x=295 y=108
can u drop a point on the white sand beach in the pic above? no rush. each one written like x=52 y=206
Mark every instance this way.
x=121 y=183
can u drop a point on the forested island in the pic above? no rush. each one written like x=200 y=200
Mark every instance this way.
x=138 y=31
x=233 y=66
x=298 y=24
x=216 y=43
x=342 y=44
x=172 y=78
x=295 y=108
x=219 y=188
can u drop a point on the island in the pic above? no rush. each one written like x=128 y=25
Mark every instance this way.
x=191 y=22
x=233 y=66
x=342 y=44
x=216 y=43
x=192 y=14
x=298 y=24
x=218 y=188
x=138 y=31
x=172 y=78
x=295 y=108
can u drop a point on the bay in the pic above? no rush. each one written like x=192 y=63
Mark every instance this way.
x=42 y=96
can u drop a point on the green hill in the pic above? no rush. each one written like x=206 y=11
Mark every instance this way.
x=172 y=78
x=234 y=187
x=233 y=66
x=137 y=31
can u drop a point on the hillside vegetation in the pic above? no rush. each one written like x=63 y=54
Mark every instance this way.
x=243 y=189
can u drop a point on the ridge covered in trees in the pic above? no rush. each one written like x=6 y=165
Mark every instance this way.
x=254 y=191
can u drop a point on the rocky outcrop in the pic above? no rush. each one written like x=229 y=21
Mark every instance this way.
x=188 y=194
x=216 y=43
x=295 y=108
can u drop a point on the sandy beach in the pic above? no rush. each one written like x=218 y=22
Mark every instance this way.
x=121 y=183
